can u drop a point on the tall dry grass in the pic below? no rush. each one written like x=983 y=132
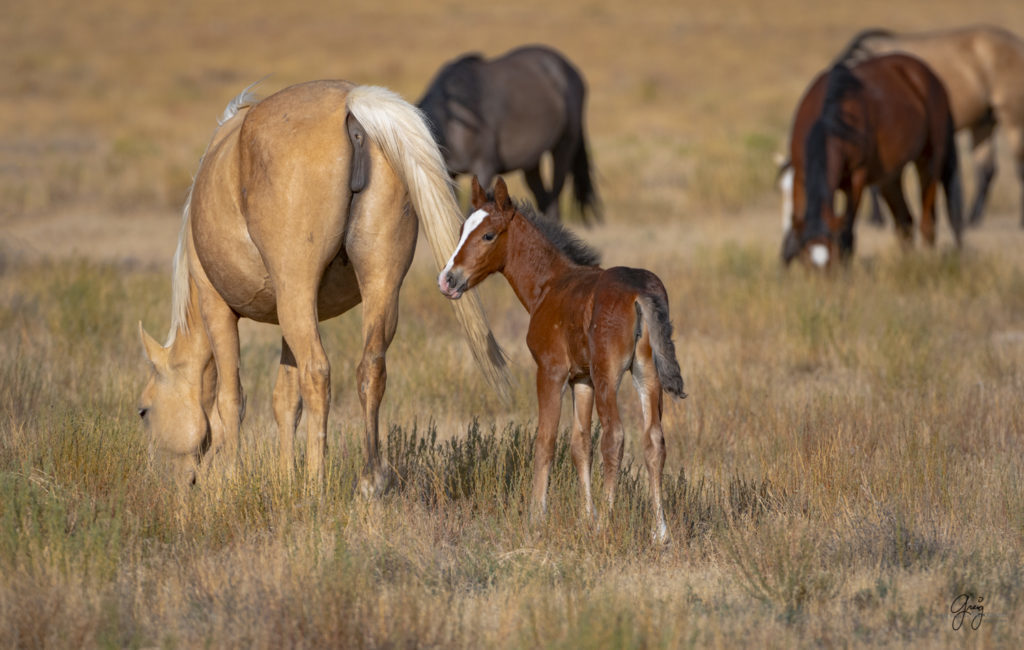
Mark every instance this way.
x=849 y=461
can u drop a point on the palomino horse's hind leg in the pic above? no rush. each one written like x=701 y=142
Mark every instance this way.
x=287 y=407
x=380 y=243
x=579 y=444
x=648 y=387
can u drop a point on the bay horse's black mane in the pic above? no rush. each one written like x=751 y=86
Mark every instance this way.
x=840 y=83
x=578 y=251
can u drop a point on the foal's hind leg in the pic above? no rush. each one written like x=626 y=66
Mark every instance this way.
x=579 y=445
x=648 y=387
x=607 y=374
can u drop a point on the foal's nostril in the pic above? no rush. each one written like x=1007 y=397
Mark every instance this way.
x=450 y=279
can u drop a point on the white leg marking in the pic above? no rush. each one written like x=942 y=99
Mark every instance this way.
x=819 y=255
x=786 y=187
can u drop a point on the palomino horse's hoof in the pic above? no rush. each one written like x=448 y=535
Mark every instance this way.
x=375 y=484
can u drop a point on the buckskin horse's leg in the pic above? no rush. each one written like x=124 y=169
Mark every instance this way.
x=287 y=408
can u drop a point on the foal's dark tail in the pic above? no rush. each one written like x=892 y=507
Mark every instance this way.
x=654 y=309
x=951 y=184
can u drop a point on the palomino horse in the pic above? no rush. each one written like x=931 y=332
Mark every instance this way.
x=861 y=126
x=587 y=327
x=305 y=205
x=493 y=117
x=982 y=68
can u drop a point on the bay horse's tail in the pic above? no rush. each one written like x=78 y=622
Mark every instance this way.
x=404 y=137
x=654 y=310
x=951 y=185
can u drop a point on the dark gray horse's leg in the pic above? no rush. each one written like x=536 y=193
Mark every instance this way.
x=983 y=152
x=536 y=183
x=876 y=219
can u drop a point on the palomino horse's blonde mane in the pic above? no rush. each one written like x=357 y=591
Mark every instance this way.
x=409 y=147
x=180 y=282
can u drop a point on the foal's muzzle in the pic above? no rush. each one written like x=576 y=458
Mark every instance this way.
x=452 y=284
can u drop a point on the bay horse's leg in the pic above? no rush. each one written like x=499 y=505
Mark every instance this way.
x=550 y=383
x=579 y=445
x=287 y=408
x=854 y=192
x=929 y=182
x=876 y=219
x=983 y=153
x=222 y=329
x=380 y=243
x=648 y=387
x=892 y=192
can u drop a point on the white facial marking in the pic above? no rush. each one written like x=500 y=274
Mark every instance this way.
x=786 y=187
x=819 y=255
x=472 y=223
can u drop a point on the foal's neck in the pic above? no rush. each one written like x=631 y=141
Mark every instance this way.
x=531 y=262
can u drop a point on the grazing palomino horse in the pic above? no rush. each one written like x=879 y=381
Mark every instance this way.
x=588 y=326
x=304 y=205
x=861 y=126
x=493 y=117
x=982 y=68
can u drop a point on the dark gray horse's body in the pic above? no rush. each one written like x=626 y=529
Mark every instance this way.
x=495 y=116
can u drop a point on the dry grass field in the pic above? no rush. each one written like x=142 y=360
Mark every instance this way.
x=849 y=461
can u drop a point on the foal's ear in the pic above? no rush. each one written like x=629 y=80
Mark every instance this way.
x=479 y=196
x=501 y=195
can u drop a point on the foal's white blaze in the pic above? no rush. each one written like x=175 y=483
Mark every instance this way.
x=786 y=187
x=472 y=223
x=819 y=255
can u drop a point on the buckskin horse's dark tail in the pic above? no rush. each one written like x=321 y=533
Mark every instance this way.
x=951 y=185
x=654 y=309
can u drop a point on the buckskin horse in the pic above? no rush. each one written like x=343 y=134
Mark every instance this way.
x=859 y=126
x=982 y=68
x=496 y=116
x=305 y=204
x=588 y=326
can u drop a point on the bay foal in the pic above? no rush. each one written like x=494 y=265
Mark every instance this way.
x=588 y=326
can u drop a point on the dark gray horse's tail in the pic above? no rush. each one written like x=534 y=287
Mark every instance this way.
x=654 y=310
x=583 y=183
x=951 y=185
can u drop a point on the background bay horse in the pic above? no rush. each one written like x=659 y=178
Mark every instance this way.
x=304 y=205
x=587 y=327
x=982 y=68
x=861 y=126
x=493 y=117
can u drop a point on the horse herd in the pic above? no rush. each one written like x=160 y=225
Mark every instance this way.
x=308 y=203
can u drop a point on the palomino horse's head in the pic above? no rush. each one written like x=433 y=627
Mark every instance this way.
x=481 y=249
x=172 y=408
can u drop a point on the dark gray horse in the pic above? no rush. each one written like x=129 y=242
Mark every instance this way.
x=497 y=116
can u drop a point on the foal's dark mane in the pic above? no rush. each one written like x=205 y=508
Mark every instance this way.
x=563 y=239
x=840 y=83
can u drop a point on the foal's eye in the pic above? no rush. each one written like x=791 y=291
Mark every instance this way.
x=489 y=236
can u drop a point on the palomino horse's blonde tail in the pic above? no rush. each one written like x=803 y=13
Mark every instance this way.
x=180 y=280
x=401 y=132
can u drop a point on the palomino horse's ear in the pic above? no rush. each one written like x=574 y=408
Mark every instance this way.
x=156 y=353
x=501 y=195
x=479 y=196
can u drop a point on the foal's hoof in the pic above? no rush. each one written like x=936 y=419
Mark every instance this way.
x=374 y=484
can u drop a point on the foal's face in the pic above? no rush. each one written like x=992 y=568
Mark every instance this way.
x=481 y=248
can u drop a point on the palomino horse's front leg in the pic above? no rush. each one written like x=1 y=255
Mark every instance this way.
x=549 y=402
x=222 y=329
x=579 y=445
x=287 y=407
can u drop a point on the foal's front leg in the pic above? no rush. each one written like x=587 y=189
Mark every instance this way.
x=550 y=383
